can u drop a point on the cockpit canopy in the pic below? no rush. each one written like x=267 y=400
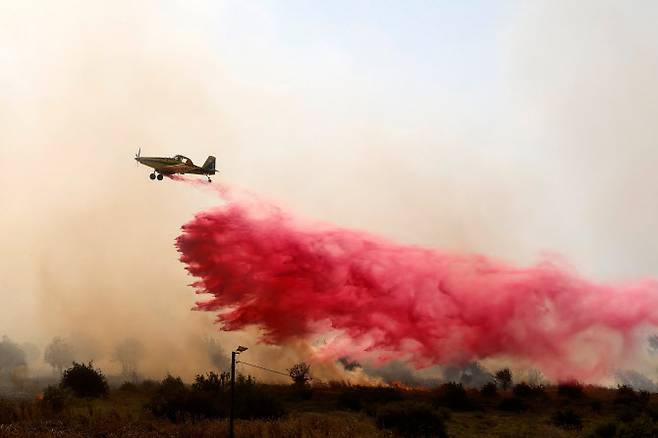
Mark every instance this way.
x=182 y=159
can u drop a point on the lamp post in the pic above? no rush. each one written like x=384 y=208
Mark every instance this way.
x=234 y=353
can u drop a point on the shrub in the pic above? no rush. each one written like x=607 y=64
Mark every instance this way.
x=350 y=399
x=605 y=430
x=213 y=382
x=522 y=390
x=356 y=398
x=525 y=391
x=411 y=419
x=148 y=385
x=640 y=427
x=170 y=399
x=652 y=411
x=567 y=419
x=201 y=404
x=85 y=381
x=571 y=389
x=209 y=396
x=626 y=396
x=128 y=387
x=56 y=397
x=256 y=401
x=453 y=395
x=512 y=404
x=8 y=413
x=489 y=390
x=596 y=405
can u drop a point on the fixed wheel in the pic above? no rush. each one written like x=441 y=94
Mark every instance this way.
x=160 y=177
x=152 y=176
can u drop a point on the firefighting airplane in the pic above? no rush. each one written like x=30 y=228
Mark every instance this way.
x=177 y=164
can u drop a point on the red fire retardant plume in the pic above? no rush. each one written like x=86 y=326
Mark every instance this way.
x=382 y=300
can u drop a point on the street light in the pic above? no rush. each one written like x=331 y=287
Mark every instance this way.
x=237 y=351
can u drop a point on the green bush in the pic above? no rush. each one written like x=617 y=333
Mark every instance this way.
x=170 y=399
x=8 y=412
x=411 y=419
x=641 y=427
x=490 y=389
x=56 y=397
x=350 y=399
x=605 y=430
x=625 y=395
x=524 y=390
x=128 y=387
x=513 y=404
x=209 y=398
x=571 y=389
x=567 y=419
x=85 y=381
x=253 y=400
x=453 y=396
x=367 y=397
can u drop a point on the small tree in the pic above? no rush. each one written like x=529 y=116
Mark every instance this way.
x=300 y=374
x=58 y=354
x=85 y=381
x=504 y=378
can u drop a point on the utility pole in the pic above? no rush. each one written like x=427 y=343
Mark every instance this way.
x=240 y=349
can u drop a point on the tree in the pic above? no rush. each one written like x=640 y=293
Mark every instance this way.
x=58 y=354
x=300 y=374
x=504 y=378
x=128 y=353
x=11 y=355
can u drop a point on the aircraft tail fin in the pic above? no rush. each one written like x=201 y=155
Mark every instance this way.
x=209 y=165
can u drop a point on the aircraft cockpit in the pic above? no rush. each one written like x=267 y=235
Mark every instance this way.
x=182 y=159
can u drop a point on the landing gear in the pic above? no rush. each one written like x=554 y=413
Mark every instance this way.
x=152 y=176
x=160 y=177
x=209 y=180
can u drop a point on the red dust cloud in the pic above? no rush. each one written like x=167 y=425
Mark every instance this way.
x=381 y=300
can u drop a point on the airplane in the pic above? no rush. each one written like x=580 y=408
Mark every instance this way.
x=176 y=164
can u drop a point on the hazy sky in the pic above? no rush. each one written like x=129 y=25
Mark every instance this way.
x=510 y=128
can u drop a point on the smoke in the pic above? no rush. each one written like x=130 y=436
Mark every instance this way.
x=128 y=354
x=635 y=380
x=383 y=301
x=557 y=154
x=218 y=357
x=472 y=375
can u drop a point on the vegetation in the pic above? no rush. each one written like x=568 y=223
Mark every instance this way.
x=504 y=378
x=411 y=419
x=173 y=407
x=572 y=389
x=84 y=381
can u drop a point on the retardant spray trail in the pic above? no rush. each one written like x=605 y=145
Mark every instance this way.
x=383 y=300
